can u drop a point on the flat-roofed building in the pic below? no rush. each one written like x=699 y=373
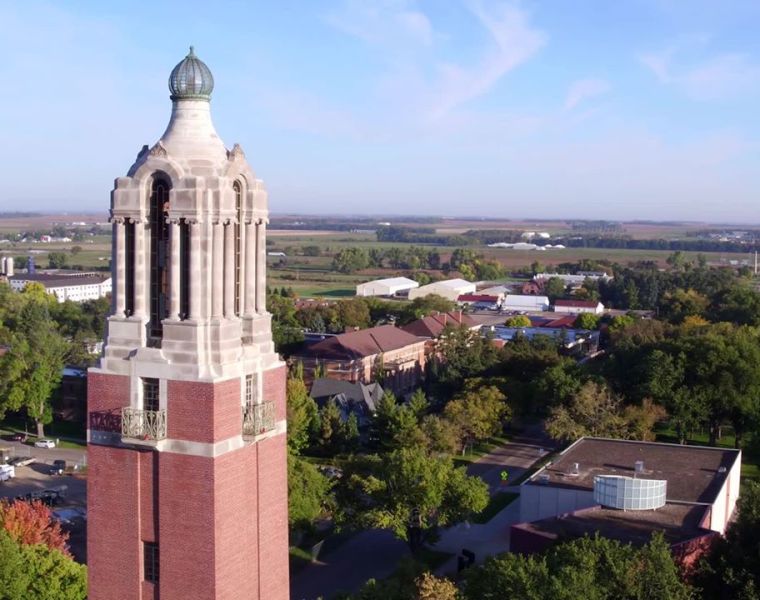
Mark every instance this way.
x=77 y=287
x=639 y=473
x=577 y=307
x=386 y=287
x=526 y=303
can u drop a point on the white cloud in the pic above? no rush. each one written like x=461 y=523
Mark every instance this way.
x=383 y=22
x=720 y=76
x=512 y=42
x=585 y=89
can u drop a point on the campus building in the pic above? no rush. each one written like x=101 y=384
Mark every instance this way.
x=187 y=482
x=75 y=286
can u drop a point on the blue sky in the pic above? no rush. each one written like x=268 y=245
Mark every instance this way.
x=638 y=109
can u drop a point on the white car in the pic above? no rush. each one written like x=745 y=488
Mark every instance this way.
x=44 y=444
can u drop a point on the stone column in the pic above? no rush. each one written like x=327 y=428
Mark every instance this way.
x=174 y=270
x=217 y=288
x=120 y=267
x=195 y=269
x=261 y=266
x=249 y=296
x=229 y=270
x=142 y=254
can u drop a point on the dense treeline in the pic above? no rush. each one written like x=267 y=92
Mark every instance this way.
x=421 y=235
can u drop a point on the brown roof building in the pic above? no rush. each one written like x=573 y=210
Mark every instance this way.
x=433 y=326
x=359 y=356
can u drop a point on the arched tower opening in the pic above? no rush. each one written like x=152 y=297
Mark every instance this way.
x=158 y=304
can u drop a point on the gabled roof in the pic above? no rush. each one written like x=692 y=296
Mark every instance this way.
x=362 y=343
x=347 y=393
x=432 y=326
x=577 y=303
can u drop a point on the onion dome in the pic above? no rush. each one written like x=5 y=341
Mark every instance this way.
x=191 y=79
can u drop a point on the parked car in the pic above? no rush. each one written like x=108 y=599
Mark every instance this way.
x=58 y=467
x=19 y=437
x=44 y=444
x=7 y=472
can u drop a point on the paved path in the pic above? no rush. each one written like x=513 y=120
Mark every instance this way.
x=370 y=554
x=375 y=553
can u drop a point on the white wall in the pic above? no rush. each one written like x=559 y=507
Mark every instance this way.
x=725 y=502
x=538 y=501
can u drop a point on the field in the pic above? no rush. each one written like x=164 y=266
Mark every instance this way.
x=313 y=275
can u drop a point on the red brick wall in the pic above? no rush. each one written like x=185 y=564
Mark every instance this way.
x=186 y=527
x=113 y=542
x=203 y=412
x=236 y=523
x=106 y=396
x=273 y=387
x=273 y=518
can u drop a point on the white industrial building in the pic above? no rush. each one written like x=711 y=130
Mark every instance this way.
x=524 y=303
x=450 y=289
x=386 y=287
x=577 y=307
x=76 y=287
x=635 y=476
x=571 y=280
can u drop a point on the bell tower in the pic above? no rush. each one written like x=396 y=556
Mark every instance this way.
x=187 y=482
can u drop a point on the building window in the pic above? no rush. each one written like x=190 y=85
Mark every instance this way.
x=238 y=242
x=150 y=561
x=184 y=269
x=129 y=268
x=159 y=258
x=250 y=390
x=150 y=393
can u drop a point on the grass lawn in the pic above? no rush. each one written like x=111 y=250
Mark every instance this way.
x=750 y=456
x=497 y=503
x=73 y=431
x=479 y=450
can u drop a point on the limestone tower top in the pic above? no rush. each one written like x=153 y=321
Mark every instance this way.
x=191 y=79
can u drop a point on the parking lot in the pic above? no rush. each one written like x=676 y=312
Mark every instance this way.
x=71 y=488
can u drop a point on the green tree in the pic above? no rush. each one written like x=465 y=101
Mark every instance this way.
x=518 y=321
x=464 y=353
x=32 y=367
x=593 y=568
x=388 y=492
x=308 y=493
x=478 y=412
x=678 y=305
x=330 y=423
x=593 y=411
x=441 y=435
x=418 y=404
x=586 y=321
x=554 y=288
x=426 y=305
x=732 y=568
x=351 y=259
x=302 y=413
x=57 y=260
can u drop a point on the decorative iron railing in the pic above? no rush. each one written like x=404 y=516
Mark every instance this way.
x=258 y=418
x=139 y=424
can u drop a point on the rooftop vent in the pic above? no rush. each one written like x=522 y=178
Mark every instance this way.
x=575 y=470
x=638 y=467
x=721 y=469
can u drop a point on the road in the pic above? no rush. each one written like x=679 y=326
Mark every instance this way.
x=46 y=455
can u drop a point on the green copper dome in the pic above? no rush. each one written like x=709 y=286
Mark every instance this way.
x=191 y=79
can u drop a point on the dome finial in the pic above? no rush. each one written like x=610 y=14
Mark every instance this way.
x=191 y=79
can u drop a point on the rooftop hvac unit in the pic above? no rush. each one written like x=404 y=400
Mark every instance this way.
x=627 y=493
x=575 y=470
x=638 y=467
